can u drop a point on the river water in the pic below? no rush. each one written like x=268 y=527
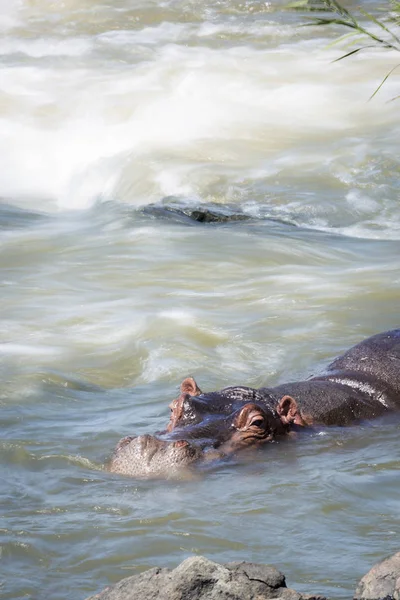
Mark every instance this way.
x=117 y=119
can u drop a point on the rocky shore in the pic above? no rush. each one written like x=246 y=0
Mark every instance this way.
x=198 y=578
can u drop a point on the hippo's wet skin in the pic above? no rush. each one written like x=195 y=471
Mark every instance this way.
x=147 y=456
x=361 y=384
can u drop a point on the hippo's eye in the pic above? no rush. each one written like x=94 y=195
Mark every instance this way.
x=257 y=422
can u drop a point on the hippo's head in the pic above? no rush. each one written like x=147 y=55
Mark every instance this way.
x=204 y=428
x=147 y=456
x=231 y=419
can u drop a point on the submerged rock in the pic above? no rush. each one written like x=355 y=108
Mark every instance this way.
x=173 y=209
x=208 y=216
x=200 y=214
x=382 y=582
x=198 y=578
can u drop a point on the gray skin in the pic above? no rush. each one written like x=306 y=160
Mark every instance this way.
x=363 y=383
x=147 y=457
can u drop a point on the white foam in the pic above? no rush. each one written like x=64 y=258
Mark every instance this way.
x=184 y=317
x=164 y=32
x=39 y=48
x=184 y=120
x=361 y=201
x=12 y=349
x=9 y=13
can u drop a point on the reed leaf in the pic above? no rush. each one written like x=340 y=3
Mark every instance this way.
x=352 y=52
x=383 y=81
x=337 y=14
x=380 y=24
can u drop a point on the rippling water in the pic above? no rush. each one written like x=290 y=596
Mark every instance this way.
x=117 y=120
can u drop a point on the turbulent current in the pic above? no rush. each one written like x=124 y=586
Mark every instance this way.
x=123 y=125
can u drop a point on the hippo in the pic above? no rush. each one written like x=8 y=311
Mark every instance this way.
x=362 y=384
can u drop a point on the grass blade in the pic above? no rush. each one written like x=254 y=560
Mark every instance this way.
x=380 y=24
x=352 y=52
x=383 y=81
x=342 y=10
x=357 y=38
x=330 y=21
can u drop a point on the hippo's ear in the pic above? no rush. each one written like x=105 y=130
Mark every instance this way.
x=287 y=410
x=189 y=386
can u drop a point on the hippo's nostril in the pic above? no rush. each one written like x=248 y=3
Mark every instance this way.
x=181 y=444
x=124 y=442
x=144 y=440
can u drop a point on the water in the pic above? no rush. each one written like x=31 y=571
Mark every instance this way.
x=108 y=109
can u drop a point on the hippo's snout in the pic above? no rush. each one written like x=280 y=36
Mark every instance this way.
x=149 y=456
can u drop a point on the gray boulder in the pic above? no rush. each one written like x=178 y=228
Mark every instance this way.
x=382 y=582
x=198 y=578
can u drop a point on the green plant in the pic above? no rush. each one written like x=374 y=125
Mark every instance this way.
x=385 y=34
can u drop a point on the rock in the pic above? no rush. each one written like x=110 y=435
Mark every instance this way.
x=269 y=575
x=208 y=216
x=382 y=582
x=202 y=214
x=198 y=578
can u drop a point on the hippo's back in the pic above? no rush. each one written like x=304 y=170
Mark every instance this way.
x=377 y=358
